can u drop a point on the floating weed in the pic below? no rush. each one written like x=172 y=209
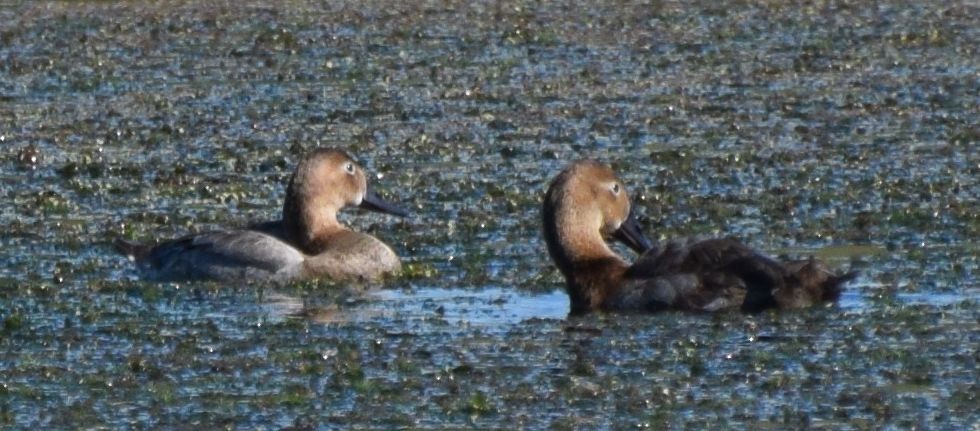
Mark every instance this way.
x=465 y=113
x=14 y=322
x=291 y=395
x=478 y=404
x=52 y=203
x=418 y=270
x=365 y=386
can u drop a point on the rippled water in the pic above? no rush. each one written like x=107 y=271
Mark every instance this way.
x=843 y=130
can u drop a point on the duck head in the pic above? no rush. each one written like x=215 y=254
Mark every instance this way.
x=324 y=182
x=585 y=206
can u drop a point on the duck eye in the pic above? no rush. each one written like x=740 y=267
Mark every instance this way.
x=615 y=189
x=349 y=167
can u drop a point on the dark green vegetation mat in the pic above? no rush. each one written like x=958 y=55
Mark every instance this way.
x=848 y=130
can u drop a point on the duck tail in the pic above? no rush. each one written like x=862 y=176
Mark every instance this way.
x=131 y=249
x=834 y=285
x=816 y=278
x=802 y=283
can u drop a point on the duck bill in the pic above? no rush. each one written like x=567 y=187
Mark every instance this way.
x=629 y=233
x=373 y=202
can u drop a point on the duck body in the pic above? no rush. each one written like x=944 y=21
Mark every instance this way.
x=308 y=242
x=723 y=273
x=586 y=204
x=251 y=255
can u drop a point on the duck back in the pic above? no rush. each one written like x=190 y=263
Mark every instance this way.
x=243 y=255
x=719 y=273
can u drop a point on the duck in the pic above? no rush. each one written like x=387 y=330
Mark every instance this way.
x=586 y=206
x=308 y=242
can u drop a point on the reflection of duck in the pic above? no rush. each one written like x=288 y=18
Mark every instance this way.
x=308 y=242
x=586 y=204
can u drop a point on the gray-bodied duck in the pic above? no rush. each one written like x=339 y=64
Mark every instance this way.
x=309 y=242
x=587 y=204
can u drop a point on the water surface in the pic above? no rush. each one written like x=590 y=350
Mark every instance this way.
x=843 y=130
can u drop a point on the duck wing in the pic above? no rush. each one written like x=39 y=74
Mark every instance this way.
x=717 y=273
x=222 y=255
x=690 y=255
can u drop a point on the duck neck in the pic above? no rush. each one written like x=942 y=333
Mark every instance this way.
x=308 y=224
x=592 y=270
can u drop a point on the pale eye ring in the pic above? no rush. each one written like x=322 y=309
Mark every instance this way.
x=349 y=167
x=615 y=189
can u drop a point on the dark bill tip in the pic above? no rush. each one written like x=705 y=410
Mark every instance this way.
x=629 y=233
x=373 y=202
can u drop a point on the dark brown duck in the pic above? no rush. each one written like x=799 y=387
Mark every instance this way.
x=587 y=204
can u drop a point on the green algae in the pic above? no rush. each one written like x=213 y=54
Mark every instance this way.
x=838 y=130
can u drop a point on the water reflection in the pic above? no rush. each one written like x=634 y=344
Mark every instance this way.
x=500 y=307
x=487 y=308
